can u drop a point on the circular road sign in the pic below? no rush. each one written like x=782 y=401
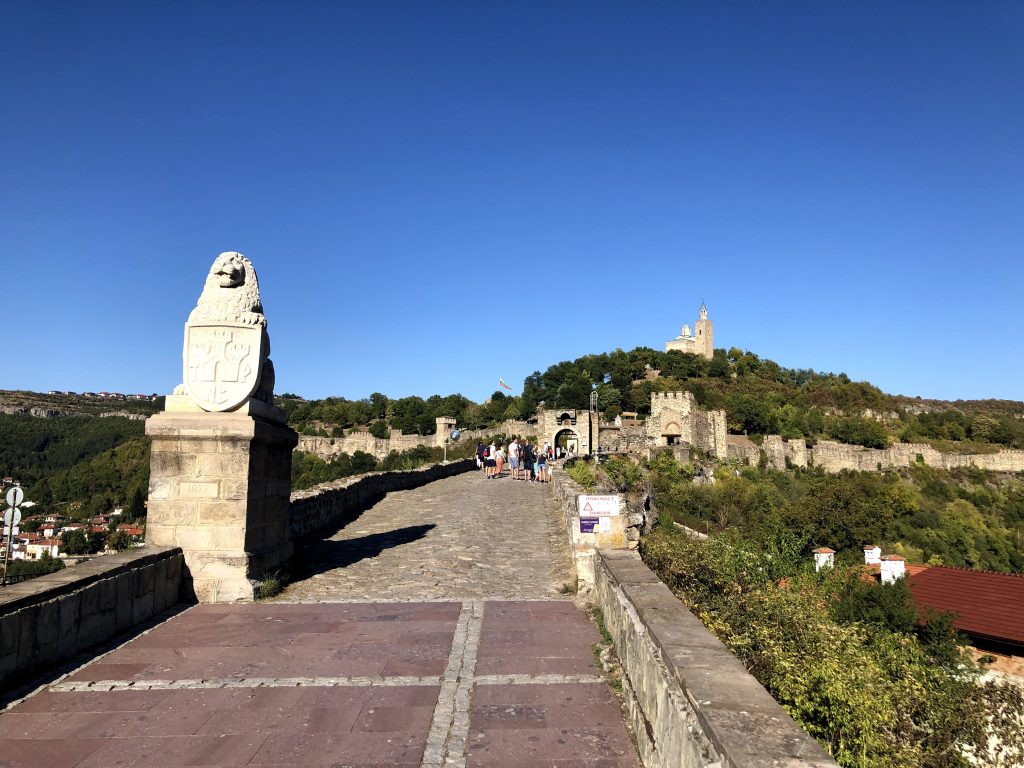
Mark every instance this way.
x=15 y=496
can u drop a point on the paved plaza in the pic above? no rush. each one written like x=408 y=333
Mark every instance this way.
x=450 y=647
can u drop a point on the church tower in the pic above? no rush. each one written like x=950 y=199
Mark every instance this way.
x=705 y=340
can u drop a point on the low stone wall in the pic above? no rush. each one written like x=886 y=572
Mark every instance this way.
x=624 y=534
x=691 y=702
x=48 y=620
x=327 y=507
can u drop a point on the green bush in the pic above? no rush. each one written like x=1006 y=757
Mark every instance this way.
x=872 y=696
x=582 y=473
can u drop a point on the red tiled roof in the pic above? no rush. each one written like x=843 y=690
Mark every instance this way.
x=824 y=551
x=989 y=605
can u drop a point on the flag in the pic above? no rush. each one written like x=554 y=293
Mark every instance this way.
x=501 y=383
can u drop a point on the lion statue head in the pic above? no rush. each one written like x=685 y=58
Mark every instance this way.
x=231 y=293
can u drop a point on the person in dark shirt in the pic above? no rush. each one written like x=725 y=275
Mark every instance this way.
x=528 y=459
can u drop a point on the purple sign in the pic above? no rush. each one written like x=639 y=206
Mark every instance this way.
x=587 y=524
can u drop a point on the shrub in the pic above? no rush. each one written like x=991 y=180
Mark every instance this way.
x=873 y=697
x=582 y=473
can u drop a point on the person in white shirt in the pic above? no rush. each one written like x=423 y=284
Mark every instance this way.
x=513 y=458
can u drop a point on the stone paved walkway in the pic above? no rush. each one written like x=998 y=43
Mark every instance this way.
x=423 y=680
x=459 y=538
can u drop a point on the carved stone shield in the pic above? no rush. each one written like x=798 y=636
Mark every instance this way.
x=223 y=364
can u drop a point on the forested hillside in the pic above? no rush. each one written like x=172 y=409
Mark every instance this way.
x=965 y=517
x=95 y=461
x=88 y=462
x=761 y=397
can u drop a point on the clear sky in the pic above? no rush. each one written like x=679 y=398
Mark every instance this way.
x=438 y=194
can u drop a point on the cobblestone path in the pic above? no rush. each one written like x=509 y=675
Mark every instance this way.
x=461 y=538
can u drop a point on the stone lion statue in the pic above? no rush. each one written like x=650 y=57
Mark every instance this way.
x=231 y=293
x=231 y=296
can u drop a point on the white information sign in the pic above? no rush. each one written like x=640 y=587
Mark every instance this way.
x=15 y=496
x=598 y=506
x=606 y=525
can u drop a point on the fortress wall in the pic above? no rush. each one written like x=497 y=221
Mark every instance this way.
x=629 y=438
x=326 y=507
x=690 y=701
x=328 y=448
x=45 y=622
x=835 y=457
x=743 y=449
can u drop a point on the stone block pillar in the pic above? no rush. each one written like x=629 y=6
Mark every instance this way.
x=219 y=488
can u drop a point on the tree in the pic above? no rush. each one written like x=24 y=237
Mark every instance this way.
x=574 y=392
x=119 y=540
x=719 y=367
x=363 y=462
x=137 y=503
x=380 y=430
x=608 y=396
x=74 y=542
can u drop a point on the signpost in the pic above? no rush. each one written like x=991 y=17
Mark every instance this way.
x=597 y=511
x=12 y=516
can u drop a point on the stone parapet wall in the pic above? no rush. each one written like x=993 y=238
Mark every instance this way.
x=624 y=534
x=326 y=507
x=690 y=701
x=46 y=621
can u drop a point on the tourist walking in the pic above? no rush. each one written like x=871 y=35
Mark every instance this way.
x=526 y=461
x=513 y=458
x=542 y=466
x=480 y=451
x=499 y=461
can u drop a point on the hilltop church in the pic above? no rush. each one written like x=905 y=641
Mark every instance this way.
x=701 y=343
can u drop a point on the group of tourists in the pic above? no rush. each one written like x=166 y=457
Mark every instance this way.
x=526 y=462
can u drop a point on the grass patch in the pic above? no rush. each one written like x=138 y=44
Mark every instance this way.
x=569 y=588
x=271 y=586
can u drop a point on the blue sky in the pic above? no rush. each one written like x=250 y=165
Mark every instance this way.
x=438 y=194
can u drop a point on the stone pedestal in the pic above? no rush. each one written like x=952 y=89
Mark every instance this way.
x=219 y=488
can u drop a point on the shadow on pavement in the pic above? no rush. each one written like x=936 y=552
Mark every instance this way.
x=316 y=557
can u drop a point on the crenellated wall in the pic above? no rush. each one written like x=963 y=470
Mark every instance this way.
x=676 y=416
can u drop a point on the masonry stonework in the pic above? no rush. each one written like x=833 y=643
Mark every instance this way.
x=676 y=420
x=220 y=474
